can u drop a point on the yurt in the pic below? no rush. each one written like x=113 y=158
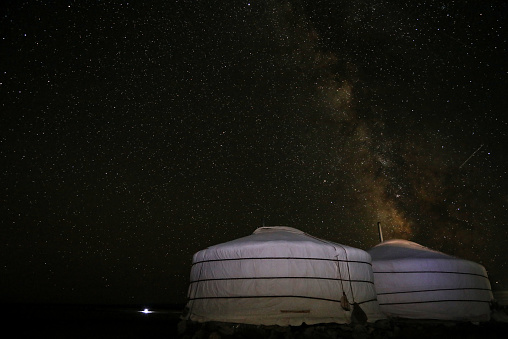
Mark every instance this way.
x=281 y=276
x=415 y=282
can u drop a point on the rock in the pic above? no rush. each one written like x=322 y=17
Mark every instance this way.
x=499 y=316
x=333 y=333
x=273 y=335
x=360 y=332
x=316 y=332
x=250 y=331
x=383 y=324
x=200 y=334
x=225 y=329
x=181 y=327
x=358 y=315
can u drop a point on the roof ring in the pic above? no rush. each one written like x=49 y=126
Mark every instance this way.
x=268 y=229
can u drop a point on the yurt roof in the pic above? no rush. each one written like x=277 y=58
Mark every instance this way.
x=271 y=229
x=281 y=241
x=403 y=249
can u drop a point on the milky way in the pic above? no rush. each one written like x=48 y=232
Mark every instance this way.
x=134 y=135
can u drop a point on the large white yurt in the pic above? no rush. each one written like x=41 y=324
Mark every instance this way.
x=281 y=276
x=415 y=282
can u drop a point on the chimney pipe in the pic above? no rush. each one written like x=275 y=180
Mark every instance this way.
x=380 y=232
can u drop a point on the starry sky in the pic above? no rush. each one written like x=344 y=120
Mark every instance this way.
x=136 y=133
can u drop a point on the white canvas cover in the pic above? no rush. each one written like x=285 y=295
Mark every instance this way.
x=415 y=282
x=280 y=276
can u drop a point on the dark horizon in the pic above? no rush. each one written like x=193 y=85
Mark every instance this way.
x=135 y=134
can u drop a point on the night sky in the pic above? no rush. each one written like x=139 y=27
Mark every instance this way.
x=134 y=134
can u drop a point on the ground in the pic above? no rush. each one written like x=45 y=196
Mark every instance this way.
x=86 y=322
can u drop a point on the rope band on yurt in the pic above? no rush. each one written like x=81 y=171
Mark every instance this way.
x=348 y=273
x=344 y=301
x=195 y=290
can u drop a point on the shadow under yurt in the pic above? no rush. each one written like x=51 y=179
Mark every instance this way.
x=281 y=276
x=415 y=282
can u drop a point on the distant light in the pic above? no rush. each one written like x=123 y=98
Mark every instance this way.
x=146 y=311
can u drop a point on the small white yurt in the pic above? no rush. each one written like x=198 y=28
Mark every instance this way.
x=281 y=276
x=415 y=282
